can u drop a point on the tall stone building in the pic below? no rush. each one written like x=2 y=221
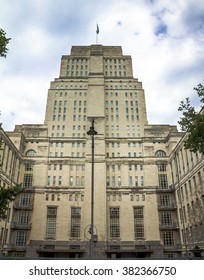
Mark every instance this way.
x=137 y=213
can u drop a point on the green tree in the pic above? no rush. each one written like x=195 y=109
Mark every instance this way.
x=192 y=122
x=7 y=195
x=3 y=43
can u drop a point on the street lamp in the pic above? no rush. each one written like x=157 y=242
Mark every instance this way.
x=92 y=133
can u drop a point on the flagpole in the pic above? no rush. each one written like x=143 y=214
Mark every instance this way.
x=97 y=32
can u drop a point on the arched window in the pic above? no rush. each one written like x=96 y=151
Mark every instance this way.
x=160 y=153
x=30 y=153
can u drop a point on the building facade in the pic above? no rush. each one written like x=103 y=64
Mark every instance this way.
x=188 y=179
x=11 y=167
x=138 y=211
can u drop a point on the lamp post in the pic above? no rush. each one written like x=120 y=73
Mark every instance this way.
x=92 y=133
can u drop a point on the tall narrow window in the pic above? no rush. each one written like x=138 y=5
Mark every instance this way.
x=119 y=181
x=166 y=218
x=130 y=181
x=71 y=181
x=165 y=200
x=54 y=180
x=23 y=217
x=142 y=181
x=163 y=183
x=77 y=180
x=60 y=180
x=51 y=222
x=21 y=238
x=136 y=181
x=75 y=221
x=168 y=238
x=25 y=199
x=114 y=222
x=107 y=181
x=27 y=182
x=48 y=180
x=138 y=222
x=113 y=181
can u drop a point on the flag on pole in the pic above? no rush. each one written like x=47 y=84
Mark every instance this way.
x=97 y=29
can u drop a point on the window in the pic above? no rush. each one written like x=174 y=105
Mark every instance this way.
x=71 y=181
x=160 y=153
x=113 y=181
x=165 y=200
x=142 y=181
x=21 y=238
x=114 y=223
x=75 y=221
x=161 y=167
x=54 y=180
x=119 y=181
x=168 y=238
x=136 y=181
x=77 y=180
x=107 y=181
x=28 y=167
x=138 y=222
x=51 y=222
x=25 y=199
x=60 y=180
x=23 y=217
x=166 y=218
x=163 y=183
x=48 y=180
x=30 y=153
x=130 y=181
x=27 y=182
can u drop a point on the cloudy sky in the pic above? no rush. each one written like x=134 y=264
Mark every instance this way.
x=164 y=37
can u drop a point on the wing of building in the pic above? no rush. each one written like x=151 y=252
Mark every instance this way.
x=148 y=190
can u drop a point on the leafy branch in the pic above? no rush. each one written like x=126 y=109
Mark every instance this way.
x=3 y=43
x=192 y=122
x=7 y=195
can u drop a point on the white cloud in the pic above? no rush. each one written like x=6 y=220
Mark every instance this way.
x=169 y=62
x=23 y=101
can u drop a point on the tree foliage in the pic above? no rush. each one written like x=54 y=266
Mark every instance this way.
x=192 y=122
x=7 y=195
x=3 y=43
